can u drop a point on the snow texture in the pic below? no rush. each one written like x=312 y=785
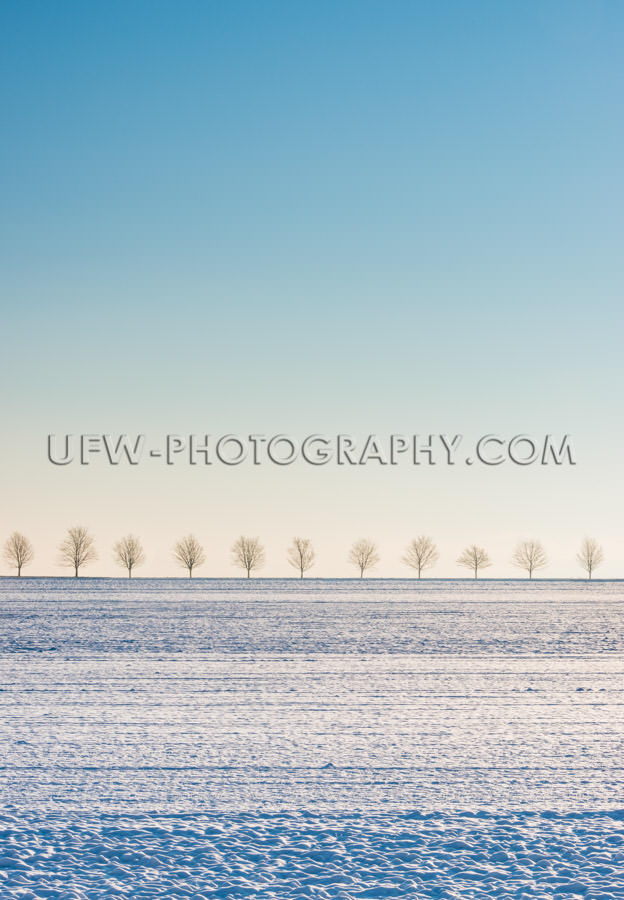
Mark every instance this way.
x=324 y=739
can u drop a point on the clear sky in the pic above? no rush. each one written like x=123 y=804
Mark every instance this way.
x=326 y=217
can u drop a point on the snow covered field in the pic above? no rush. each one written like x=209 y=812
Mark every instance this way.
x=272 y=739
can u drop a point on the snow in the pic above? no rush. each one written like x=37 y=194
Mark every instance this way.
x=330 y=739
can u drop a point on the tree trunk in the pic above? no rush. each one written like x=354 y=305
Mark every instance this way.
x=75 y=571
x=19 y=571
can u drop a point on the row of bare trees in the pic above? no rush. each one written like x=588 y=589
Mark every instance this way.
x=77 y=549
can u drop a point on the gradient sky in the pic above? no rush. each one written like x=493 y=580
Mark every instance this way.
x=326 y=217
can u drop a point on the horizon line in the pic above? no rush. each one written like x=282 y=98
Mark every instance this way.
x=295 y=578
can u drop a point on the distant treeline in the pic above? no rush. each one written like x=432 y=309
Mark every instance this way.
x=77 y=549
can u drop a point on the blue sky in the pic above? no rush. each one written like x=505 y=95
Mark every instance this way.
x=313 y=217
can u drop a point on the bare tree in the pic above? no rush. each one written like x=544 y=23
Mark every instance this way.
x=129 y=553
x=421 y=554
x=189 y=553
x=301 y=555
x=363 y=555
x=474 y=558
x=248 y=554
x=530 y=555
x=77 y=549
x=590 y=556
x=18 y=551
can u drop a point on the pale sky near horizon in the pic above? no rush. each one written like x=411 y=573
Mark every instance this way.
x=313 y=218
